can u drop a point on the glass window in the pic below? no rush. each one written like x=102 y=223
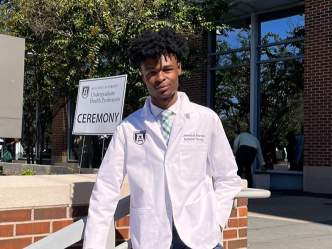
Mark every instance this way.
x=232 y=98
x=281 y=92
x=282 y=51
x=230 y=59
x=281 y=114
x=233 y=38
x=280 y=69
x=283 y=32
x=282 y=29
x=232 y=79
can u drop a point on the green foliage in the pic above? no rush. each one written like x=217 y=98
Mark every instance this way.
x=49 y=172
x=72 y=170
x=28 y=172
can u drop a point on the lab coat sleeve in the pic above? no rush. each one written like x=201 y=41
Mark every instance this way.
x=227 y=184
x=105 y=194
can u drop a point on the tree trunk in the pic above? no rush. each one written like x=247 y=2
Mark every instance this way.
x=27 y=152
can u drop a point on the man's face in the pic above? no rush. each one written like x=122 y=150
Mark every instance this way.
x=161 y=77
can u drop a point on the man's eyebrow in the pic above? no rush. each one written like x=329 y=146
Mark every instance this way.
x=150 y=68
x=163 y=66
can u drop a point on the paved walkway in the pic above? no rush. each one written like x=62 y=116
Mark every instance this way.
x=290 y=222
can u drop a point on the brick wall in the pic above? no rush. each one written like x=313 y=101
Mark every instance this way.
x=194 y=85
x=122 y=232
x=318 y=83
x=59 y=130
x=235 y=233
x=22 y=227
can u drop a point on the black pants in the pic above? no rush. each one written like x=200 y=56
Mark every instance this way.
x=177 y=243
x=245 y=156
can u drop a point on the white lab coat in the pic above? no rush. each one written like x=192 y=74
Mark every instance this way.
x=166 y=182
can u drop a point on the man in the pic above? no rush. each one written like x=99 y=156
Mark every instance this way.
x=246 y=147
x=169 y=149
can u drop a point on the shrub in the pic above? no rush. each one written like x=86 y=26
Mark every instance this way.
x=28 y=172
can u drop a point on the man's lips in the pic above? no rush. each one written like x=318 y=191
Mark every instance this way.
x=162 y=87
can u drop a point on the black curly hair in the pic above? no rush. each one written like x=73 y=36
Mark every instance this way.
x=155 y=44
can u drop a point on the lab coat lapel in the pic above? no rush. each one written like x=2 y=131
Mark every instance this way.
x=181 y=118
x=177 y=126
x=150 y=122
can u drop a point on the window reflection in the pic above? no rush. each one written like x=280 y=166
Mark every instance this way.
x=230 y=59
x=282 y=29
x=282 y=51
x=233 y=99
x=281 y=113
x=233 y=38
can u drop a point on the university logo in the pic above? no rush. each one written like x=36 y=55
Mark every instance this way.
x=139 y=137
x=85 y=92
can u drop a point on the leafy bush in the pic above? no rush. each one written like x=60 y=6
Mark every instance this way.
x=28 y=172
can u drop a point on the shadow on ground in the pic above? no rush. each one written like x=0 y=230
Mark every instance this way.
x=294 y=206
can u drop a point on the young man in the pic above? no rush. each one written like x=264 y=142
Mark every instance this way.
x=170 y=149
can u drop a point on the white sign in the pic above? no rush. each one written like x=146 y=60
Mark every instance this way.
x=12 y=52
x=99 y=105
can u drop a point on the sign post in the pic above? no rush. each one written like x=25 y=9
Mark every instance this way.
x=99 y=106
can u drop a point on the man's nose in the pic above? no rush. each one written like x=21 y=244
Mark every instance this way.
x=160 y=76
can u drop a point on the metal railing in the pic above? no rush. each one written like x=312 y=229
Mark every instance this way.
x=75 y=232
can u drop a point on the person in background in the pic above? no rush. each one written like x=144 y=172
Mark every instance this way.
x=299 y=151
x=9 y=150
x=291 y=150
x=1 y=144
x=245 y=148
x=170 y=150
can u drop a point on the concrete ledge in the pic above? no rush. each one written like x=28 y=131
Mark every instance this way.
x=17 y=168
x=317 y=179
x=27 y=191
x=48 y=190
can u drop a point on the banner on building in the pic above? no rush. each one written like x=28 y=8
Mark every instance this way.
x=99 y=105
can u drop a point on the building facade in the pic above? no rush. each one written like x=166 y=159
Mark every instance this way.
x=270 y=72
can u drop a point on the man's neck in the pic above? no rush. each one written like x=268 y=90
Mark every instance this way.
x=166 y=103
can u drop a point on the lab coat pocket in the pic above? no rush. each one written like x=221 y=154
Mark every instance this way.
x=143 y=227
x=193 y=159
x=201 y=215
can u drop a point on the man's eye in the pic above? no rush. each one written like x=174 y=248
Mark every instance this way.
x=152 y=73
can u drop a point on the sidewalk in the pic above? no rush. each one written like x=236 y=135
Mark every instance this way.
x=290 y=222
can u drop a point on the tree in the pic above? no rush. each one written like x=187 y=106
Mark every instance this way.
x=71 y=40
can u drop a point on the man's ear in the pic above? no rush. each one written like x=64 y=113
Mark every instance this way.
x=140 y=72
x=179 y=68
